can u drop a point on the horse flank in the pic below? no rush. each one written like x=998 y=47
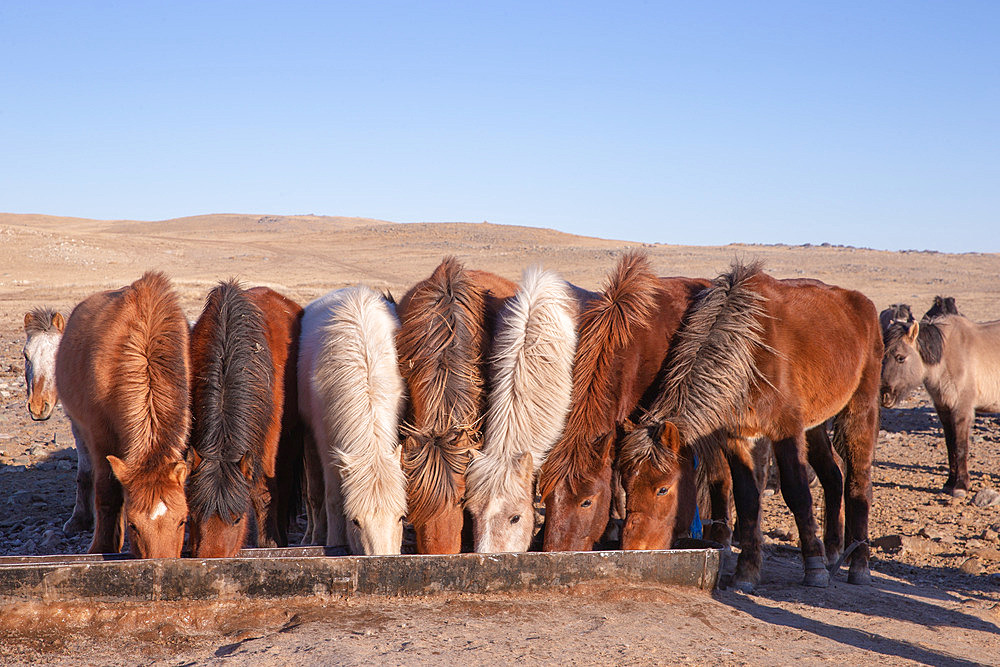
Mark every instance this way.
x=357 y=376
x=710 y=369
x=232 y=388
x=532 y=380
x=152 y=373
x=439 y=343
x=607 y=326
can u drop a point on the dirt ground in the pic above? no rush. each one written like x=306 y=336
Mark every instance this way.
x=936 y=592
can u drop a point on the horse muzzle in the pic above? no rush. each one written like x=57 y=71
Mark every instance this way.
x=888 y=398
x=39 y=413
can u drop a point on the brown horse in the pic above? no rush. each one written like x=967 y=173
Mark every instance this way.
x=446 y=325
x=122 y=376
x=243 y=401
x=751 y=362
x=958 y=363
x=623 y=336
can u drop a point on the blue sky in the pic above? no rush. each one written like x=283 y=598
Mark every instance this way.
x=869 y=124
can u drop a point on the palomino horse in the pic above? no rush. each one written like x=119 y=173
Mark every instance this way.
x=958 y=362
x=44 y=329
x=532 y=375
x=122 y=375
x=446 y=325
x=352 y=399
x=243 y=404
x=623 y=337
x=750 y=362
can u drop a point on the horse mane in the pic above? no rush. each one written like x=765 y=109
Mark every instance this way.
x=607 y=326
x=439 y=343
x=943 y=305
x=39 y=320
x=231 y=392
x=532 y=381
x=930 y=339
x=357 y=377
x=151 y=373
x=710 y=369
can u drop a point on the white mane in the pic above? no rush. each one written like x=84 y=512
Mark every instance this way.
x=532 y=367
x=357 y=379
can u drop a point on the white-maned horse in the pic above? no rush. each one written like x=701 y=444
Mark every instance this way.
x=351 y=397
x=43 y=328
x=532 y=377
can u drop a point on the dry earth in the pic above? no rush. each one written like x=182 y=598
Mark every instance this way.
x=936 y=594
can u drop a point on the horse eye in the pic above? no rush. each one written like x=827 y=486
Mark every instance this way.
x=515 y=518
x=184 y=522
x=662 y=491
x=402 y=518
x=586 y=503
x=131 y=526
x=900 y=358
x=356 y=522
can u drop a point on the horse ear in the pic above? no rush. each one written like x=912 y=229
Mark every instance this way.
x=627 y=426
x=912 y=332
x=670 y=437
x=118 y=467
x=246 y=465
x=178 y=473
x=59 y=322
x=193 y=458
x=27 y=320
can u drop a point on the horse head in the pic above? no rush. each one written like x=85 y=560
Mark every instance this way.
x=577 y=505
x=902 y=363
x=155 y=507
x=217 y=531
x=374 y=502
x=650 y=474
x=500 y=499
x=44 y=329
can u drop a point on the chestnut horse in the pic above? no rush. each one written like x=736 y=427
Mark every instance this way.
x=446 y=325
x=623 y=336
x=352 y=398
x=750 y=362
x=532 y=376
x=43 y=328
x=245 y=440
x=122 y=376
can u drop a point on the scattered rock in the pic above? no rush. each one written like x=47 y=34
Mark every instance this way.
x=984 y=553
x=936 y=532
x=971 y=566
x=919 y=545
x=989 y=535
x=888 y=543
x=986 y=498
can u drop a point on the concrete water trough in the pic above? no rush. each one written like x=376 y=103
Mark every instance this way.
x=316 y=571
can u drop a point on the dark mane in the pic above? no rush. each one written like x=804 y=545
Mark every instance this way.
x=606 y=327
x=39 y=320
x=930 y=340
x=710 y=369
x=943 y=305
x=231 y=390
x=440 y=343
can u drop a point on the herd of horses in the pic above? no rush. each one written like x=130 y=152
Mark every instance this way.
x=461 y=406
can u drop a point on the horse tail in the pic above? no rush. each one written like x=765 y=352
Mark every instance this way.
x=710 y=368
x=152 y=371
x=532 y=378
x=232 y=396
x=358 y=381
x=607 y=326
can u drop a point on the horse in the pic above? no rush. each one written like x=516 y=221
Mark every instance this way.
x=958 y=363
x=446 y=325
x=43 y=328
x=352 y=398
x=751 y=362
x=122 y=377
x=943 y=305
x=531 y=367
x=897 y=312
x=623 y=337
x=244 y=438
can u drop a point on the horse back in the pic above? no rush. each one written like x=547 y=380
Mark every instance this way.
x=821 y=344
x=970 y=361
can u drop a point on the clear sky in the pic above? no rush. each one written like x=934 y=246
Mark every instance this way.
x=863 y=123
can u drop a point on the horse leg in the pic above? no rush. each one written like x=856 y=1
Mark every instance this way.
x=83 y=511
x=789 y=453
x=963 y=419
x=948 y=426
x=263 y=495
x=687 y=492
x=720 y=489
x=855 y=431
x=820 y=452
x=336 y=526
x=747 y=498
x=109 y=517
x=315 y=494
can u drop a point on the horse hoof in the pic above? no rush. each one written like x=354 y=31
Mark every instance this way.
x=958 y=493
x=860 y=577
x=817 y=577
x=743 y=586
x=76 y=525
